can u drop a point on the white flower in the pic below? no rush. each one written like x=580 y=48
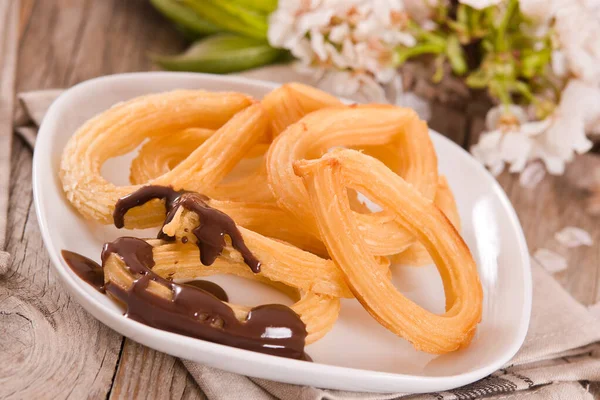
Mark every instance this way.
x=515 y=140
x=559 y=64
x=505 y=141
x=486 y=151
x=579 y=108
x=349 y=42
x=339 y=32
x=480 y=4
x=578 y=31
x=361 y=87
x=510 y=115
x=577 y=27
x=540 y=10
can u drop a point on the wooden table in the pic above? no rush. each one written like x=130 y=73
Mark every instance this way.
x=49 y=346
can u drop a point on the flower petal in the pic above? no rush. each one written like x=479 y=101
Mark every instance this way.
x=495 y=114
x=551 y=261
x=572 y=236
x=317 y=42
x=339 y=32
x=497 y=167
x=532 y=175
x=559 y=63
x=535 y=127
x=515 y=149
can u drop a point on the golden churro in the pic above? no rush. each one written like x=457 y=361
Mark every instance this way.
x=273 y=191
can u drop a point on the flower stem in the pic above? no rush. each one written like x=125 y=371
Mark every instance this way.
x=501 y=42
x=405 y=53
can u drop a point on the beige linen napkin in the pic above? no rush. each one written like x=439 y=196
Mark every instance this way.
x=562 y=346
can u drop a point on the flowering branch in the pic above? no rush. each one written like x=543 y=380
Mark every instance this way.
x=538 y=60
x=526 y=54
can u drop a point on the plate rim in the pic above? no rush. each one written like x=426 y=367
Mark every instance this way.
x=151 y=336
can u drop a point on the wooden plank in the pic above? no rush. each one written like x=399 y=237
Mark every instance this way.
x=26 y=10
x=68 y=41
x=449 y=122
x=9 y=19
x=147 y=374
x=556 y=202
x=51 y=347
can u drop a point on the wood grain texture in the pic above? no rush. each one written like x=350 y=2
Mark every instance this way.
x=51 y=348
x=9 y=31
x=55 y=349
x=451 y=122
x=68 y=41
x=557 y=202
x=145 y=373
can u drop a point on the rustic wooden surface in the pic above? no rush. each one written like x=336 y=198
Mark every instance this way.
x=50 y=347
x=8 y=64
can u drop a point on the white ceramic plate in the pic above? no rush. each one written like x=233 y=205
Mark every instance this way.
x=358 y=354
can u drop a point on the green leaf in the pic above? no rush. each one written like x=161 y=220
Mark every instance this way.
x=534 y=63
x=478 y=79
x=457 y=27
x=185 y=18
x=222 y=54
x=188 y=33
x=431 y=37
x=524 y=89
x=499 y=90
x=404 y=53
x=264 y=6
x=232 y=17
x=462 y=14
x=477 y=27
x=438 y=75
x=456 y=55
x=501 y=37
x=487 y=45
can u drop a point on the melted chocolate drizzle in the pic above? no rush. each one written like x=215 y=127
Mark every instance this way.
x=214 y=224
x=211 y=288
x=196 y=309
x=88 y=270
x=272 y=329
x=140 y=197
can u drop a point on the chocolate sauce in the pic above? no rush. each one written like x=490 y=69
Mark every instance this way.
x=214 y=224
x=211 y=288
x=88 y=270
x=272 y=329
x=140 y=197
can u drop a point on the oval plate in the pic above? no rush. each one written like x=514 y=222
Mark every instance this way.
x=358 y=354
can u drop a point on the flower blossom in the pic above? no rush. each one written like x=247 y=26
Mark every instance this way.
x=347 y=44
x=577 y=28
x=513 y=139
